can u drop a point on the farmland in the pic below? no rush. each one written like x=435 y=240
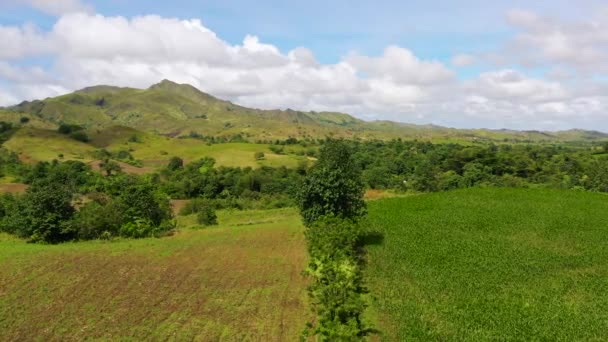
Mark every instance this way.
x=240 y=280
x=490 y=264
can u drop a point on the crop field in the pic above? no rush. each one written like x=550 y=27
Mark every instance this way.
x=490 y=264
x=237 y=281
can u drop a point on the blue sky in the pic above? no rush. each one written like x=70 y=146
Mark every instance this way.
x=516 y=56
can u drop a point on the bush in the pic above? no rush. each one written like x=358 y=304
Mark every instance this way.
x=96 y=220
x=259 y=155
x=139 y=228
x=206 y=216
x=80 y=136
x=337 y=287
x=42 y=214
x=24 y=120
x=194 y=206
x=175 y=164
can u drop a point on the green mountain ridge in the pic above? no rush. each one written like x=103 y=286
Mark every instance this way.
x=173 y=109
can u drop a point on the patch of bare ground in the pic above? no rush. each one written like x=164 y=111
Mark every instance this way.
x=13 y=188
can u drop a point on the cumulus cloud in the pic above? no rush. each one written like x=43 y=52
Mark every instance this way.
x=395 y=85
x=581 y=45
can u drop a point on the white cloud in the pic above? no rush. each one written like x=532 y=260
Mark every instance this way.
x=89 y=49
x=401 y=66
x=581 y=45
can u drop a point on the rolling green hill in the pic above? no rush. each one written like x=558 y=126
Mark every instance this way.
x=172 y=109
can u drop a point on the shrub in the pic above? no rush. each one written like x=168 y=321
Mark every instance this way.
x=175 y=163
x=96 y=220
x=206 y=216
x=80 y=136
x=277 y=149
x=259 y=155
x=42 y=214
x=138 y=228
x=194 y=206
x=337 y=287
x=24 y=120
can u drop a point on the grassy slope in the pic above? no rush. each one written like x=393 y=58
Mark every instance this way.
x=238 y=281
x=177 y=109
x=34 y=144
x=491 y=264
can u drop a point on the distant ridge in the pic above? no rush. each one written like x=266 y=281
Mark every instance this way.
x=173 y=109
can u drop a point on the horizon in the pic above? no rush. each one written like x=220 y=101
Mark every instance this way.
x=469 y=65
x=296 y=109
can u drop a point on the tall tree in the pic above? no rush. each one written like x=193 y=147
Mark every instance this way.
x=333 y=186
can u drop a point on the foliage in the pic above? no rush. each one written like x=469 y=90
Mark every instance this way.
x=206 y=216
x=41 y=215
x=331 y=200
x=337 y=287
x=175 y=163
x=333 y=186
x=80 y=136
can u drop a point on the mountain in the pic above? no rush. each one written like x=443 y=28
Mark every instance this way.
x=173 y=109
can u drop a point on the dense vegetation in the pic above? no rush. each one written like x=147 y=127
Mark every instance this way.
x=331 y=203
x=491 y=264
x=78 y=198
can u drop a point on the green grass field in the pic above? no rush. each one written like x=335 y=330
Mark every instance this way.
x=237 y=281
x=34 y=145
x=491 y=264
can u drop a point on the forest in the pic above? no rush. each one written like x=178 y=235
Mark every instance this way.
x=67 y=200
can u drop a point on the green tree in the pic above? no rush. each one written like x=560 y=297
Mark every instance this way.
x=42 y=214
x=175 y=163
x=333 y=187
x=206 y=215
x=109 y=167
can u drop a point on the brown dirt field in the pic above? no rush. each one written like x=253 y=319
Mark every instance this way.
x=13 y=188
x=177 y=205
x=127 y=168
x=229 y=284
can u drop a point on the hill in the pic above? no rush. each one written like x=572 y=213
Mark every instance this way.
x=490 y=264
x=172 y=109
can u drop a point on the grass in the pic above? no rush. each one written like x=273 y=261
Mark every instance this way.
x=491 y=264
x=35 y=145
x=237 y=281
x=42 y=145
x=156 y=151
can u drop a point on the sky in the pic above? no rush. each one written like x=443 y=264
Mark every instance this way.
x=539 y=65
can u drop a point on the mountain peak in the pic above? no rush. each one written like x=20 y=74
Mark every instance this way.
x=167 y=84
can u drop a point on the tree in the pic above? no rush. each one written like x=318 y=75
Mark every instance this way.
x=24 y=119
x=109 y=167
x=206 y=215
x=175 y=164
x=333 y=187
x=42 y=214
x=259 y=155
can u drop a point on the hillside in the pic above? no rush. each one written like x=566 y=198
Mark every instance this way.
x=173 y=109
